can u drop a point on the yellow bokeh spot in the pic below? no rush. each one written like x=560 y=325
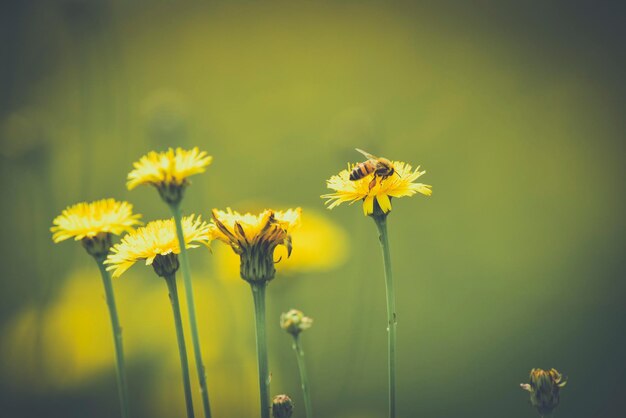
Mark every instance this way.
x=70 y=340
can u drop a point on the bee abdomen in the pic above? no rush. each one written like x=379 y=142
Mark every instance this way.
x=361 y=170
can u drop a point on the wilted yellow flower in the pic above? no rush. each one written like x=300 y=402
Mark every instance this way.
x=168 y=171
x=157 y=238
x=323 y=245
x=86 y=220
x=400 y=184
x=255 y=237
x=544 y=389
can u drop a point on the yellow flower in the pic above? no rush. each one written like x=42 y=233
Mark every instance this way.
x=86 y=220
x=157 y=238
x=255 y=237
x=168 y=171
x=323 y=245
x=400 y=184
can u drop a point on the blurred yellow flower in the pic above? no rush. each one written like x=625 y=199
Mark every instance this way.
x=68 y=341
x=400 y=184
x=156 y=238
x=168 y=169
x=255 y=237
x=87 y=220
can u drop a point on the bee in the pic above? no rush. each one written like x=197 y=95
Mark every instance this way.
x=381 y=167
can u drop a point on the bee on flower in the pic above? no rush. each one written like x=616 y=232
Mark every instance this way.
x=375 y=182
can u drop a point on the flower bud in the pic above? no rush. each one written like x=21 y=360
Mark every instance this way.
x=294 y=322
x=544 y=389
x=282 y=406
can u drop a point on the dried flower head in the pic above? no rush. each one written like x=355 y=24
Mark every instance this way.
x=255 y=237
x=154 y=242
x=168 y=171
x=294 y=322
x=544 y=387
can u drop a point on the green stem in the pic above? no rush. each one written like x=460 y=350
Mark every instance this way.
x=258 y=293
x=304 y=379
x=180 y=336
x=122 y=386
x=381 y=224
x=191 y=310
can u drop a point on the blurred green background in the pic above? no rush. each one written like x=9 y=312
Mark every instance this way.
x=515 y=109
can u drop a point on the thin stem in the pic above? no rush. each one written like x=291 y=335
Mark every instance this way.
x=191 y=311
x=258 y=293
x=122 y=386
x=381 y=224
x=304 y=379
x=180 y=336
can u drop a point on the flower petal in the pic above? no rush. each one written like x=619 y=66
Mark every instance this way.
x=384 y=202
x=368 y=205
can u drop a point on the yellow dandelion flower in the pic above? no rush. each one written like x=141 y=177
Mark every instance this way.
x=86 y=220
x=157 y=238
x=255 y=237
x=323 y=245
x=168 y=171
x=400 y=184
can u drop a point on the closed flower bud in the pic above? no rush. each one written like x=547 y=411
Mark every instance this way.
x=294 y=322
x=544 y=387
x=282 y=406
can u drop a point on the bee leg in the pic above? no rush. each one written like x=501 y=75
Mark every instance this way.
x=372 y=183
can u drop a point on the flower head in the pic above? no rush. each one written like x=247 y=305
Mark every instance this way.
x=168 y=171
x=157 y=244
x=544 y=389
x=93 y=223
x=255 y=237
x=294 y=322
x=282 y=406
x=373 y=187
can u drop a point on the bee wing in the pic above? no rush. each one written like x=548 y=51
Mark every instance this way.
x=367 y=154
